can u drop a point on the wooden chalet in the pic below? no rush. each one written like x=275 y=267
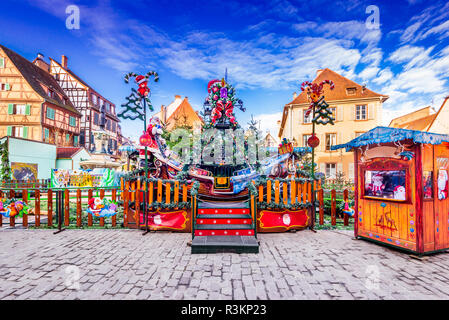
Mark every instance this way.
x=32 y=104
x=98 y=113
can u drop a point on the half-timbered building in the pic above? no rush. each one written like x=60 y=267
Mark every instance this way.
x=32 y=104
x=98 y=113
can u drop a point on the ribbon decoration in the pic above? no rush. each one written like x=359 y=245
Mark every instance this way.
x=314 y=92
x=228 y=109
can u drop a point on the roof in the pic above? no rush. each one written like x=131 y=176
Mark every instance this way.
x=67 y=152
x=339 y=93
x=388 y=134
x=36 y=77
x=421 y=124
x=423 y=112
x=178 y=104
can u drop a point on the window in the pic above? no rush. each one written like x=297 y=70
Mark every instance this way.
x=307 y=118
x=331 y=140
x=334 y=112
x=23 y=109
x=351 y=91
x=358 y=134
x=2 y=63
x=360 y=112
x=113 y=126
x=94 y=99
x=428 y=184
x=72 y=121
x=46 y=134
x=305 y=139
x=51 y=93
x=386 y=184
x=96 y=119
x=331 y=170
x=18 y=132
x=75 y=141
x=108 y=125
x=5 y=87
x=67 y=137
x=442 y=178
x=51 y=113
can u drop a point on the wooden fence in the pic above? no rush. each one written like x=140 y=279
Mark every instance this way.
x=333 y=194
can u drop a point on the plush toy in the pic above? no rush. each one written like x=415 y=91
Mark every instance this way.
x=442 y=184
x=399 y=193
x=349 y=211
x=142 y=81
x=377 y=186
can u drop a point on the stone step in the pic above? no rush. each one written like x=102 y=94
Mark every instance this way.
x=237 y=244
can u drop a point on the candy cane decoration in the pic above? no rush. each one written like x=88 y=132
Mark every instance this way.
x=314 y=91
x=217 y=112
x=210 y=84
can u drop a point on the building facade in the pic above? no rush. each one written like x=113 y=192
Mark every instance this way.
x=356 y=110
x=425 y=119
x=97 y=113
x=179 y=113
x=32 y=104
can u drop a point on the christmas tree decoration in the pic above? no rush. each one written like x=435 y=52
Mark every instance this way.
x=222 y=101
x=323 y=115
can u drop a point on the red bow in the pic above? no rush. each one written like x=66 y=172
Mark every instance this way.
x=217 y=112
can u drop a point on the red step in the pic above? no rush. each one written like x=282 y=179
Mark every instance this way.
x=199 y=220
x=224 y=232
x=223 y=211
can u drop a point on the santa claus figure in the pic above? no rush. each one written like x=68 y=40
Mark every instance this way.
x=442 y=184
x=399 y=193
x=143 y=86
x=155 y=131
x=377 y=186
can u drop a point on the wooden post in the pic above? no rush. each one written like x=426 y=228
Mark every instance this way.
x=159 y=191
x=333 y=207
x=309 y=192
x=276 y=191
x=114 y=198
x=150 y=191
x=176 y=194
x=12 y=220
x=89 y=215
x=37 y=208
x=79 y=217
x=50 y=208
x=25 y=201
x=345 y=216
x=66 y=207
x=293 y=191
x=268 y=191
x=321 y=200
x=261 y=193
x=101 y=197
x=356 y=194
x=285 y=192
x=137 y=212
x=184 y=193
x=125 y=207
x=419 y=200
x=167 y=192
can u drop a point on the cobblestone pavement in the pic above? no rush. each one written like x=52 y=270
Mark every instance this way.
x=122 y=264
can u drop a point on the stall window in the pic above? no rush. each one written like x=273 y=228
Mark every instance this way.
x=386 y=184
x=428 y=184
x=442 y=182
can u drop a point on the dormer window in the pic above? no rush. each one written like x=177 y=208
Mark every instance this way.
x=51 y=93
x=351 y=91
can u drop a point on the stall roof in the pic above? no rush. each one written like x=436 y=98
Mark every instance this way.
x=388 y=134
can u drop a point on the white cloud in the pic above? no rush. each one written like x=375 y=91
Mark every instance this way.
x=384 y=76
x=268 y=122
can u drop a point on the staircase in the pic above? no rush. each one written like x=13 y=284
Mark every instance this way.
x=224 y=230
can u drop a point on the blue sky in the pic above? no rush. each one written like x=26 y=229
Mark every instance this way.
x=269 y=47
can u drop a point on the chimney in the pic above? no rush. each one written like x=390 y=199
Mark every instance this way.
x=40 y=62
x=295 y=95
x=177 y=96
x=64 y=61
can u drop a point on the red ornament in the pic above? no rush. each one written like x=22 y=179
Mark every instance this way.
x=145 y=140
x=313 y=141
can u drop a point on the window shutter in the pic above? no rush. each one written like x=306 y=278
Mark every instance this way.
x=46 y=133
x=75 y=141
x=9 y=131
x=354 y=111
x=340 y=116
x=10 y=108
x=7 y=87
x=323 y=168
x=25 y=132
x=339 y=167
x=27 y=109
x=370 y=111
x=2 y=62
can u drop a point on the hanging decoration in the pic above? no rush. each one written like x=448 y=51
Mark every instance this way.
x=222 y=100
x=314 y=92
x=133 y=108
x=102 y=208
x=285 y=147
x=313 y=141
x=11 y=208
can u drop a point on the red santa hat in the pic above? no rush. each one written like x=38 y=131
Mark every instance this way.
x=140 y=79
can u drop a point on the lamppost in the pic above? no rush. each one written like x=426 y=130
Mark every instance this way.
x=136 y=106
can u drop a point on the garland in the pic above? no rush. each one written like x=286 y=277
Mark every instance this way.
x=5 y=172
x=195 y=188
x=282 y=206
x=162 y=205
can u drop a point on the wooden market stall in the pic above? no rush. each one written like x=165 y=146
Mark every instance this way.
x=401 y=194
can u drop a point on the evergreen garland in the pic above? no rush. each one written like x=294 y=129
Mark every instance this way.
x=5 y=172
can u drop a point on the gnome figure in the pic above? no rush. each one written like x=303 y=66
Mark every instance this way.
x=442 y=184
x=399 y=193
x=377 y=186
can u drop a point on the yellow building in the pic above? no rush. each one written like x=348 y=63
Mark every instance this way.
x=425 y=119
x=356 y=110
x=179 y=113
